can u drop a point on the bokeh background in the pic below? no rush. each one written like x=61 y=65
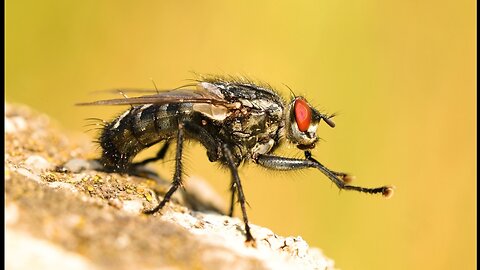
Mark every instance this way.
x=400 y=74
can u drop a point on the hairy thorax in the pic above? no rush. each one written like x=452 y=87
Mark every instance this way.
x=255 y=128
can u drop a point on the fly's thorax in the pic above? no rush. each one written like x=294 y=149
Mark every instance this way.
x=261 y=115
x=256 y=112
x=301 y=123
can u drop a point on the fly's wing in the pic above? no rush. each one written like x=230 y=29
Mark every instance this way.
x=151 y=91
x=166 y=97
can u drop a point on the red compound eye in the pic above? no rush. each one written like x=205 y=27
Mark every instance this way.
x=303 y=114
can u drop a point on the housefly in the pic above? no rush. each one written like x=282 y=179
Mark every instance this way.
x=235 y=119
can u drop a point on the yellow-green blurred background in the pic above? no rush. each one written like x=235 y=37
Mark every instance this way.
x=401 y=75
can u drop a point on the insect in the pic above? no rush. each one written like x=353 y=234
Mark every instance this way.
x=235 y=119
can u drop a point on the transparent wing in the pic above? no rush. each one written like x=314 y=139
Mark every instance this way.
x=173 y=96
x=137 y=90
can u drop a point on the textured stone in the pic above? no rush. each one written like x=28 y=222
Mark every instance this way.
x=61 y=213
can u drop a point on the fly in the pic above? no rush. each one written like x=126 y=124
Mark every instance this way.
x=235 y=119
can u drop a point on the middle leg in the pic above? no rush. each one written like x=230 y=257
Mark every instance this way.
x=241 y=197
x=233 y=189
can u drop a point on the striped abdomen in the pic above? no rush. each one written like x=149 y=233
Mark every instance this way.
x=136 y=129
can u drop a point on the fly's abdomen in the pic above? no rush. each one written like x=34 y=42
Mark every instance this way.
x=136 y=129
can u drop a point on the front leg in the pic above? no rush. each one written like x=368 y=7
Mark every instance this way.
x=347 y=178
x=287 y=164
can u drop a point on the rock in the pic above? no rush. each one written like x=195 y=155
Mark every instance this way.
x=133 y=206
x=80 y=218
x=14 y=124
x=77 y=165
x=27 y=252
x=37 y=164
x=201 y=197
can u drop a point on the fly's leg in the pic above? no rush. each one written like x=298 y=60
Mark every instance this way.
x=136 y=168
x=241 y=197
x=287 y=164
x=193 y=131
x=233 y=189
x=347 y=178
x=160 y=155
x=177 y=176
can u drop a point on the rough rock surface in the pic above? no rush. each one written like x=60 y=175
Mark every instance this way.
x=63 y=214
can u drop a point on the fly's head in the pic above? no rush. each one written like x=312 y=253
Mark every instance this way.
x=301 y=123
